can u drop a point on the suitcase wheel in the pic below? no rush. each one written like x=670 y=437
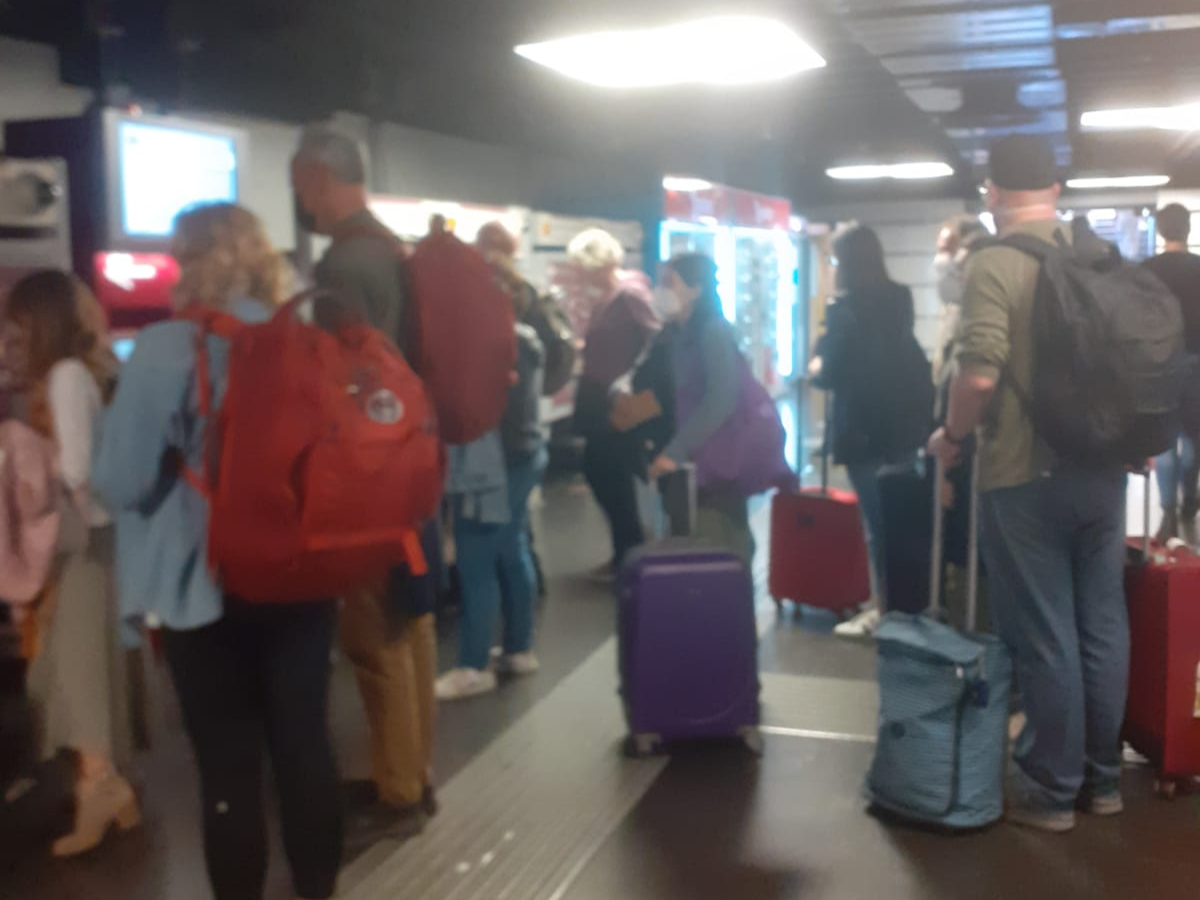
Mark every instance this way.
x=753 y=740
x=1167 y=788
x=1170 y=788
x=642 y=746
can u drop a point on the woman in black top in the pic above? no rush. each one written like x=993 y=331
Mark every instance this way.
x=881 y=386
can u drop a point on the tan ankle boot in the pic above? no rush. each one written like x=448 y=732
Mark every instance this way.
x=100 y=806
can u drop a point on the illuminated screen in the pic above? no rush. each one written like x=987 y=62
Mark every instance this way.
x=165 y=170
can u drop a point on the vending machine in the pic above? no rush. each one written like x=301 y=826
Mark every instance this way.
x=750 y=236
x=130 y=174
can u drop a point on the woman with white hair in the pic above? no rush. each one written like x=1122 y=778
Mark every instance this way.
x=620 y=327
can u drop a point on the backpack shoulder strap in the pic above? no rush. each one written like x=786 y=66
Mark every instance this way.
x=370 y=232
x=1042 y=251
x=208 y=322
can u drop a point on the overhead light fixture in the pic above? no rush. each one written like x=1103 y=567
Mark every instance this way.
x=917 y=171
x=686 y=185
x=724 y=50
x=1118 y=181
x=1162 y=118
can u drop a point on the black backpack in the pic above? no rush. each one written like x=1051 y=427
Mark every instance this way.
x=547 y=317
x=1109 y=358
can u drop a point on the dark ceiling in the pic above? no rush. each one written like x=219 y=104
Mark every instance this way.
x=906 y=78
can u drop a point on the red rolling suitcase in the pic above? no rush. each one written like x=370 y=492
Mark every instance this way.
x=818 y=553
x=1162 y=719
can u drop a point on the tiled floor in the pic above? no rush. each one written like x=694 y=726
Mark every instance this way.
x=713 y=823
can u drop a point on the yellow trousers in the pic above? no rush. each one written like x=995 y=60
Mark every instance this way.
x=395 y=662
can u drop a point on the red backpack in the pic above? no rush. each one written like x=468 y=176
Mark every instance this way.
x=323 y=462
x=466 y=345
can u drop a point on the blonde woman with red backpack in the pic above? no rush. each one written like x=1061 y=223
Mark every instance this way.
x=252 y=678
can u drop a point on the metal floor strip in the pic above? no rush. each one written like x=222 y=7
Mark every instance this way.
x=823 y=705
x=523 y=819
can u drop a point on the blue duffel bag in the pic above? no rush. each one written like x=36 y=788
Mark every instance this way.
x=943 y=703
x=943 y=724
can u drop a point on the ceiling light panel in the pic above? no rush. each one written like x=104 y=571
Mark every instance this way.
x=725 y=50
x=1118 y=181
x=686 y=185
x=916 y=171
x=1161 y=118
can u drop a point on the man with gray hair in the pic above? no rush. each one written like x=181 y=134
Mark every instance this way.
x=388 y=630
x=329 y=179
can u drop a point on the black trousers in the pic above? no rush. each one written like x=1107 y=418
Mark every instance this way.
x=610 y=464
x=259 y=678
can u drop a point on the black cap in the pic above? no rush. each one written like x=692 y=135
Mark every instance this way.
x=1023 y=162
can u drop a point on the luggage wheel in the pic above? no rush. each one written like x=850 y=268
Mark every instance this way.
x=753 y=740
x=1167 y=788
x=641 y=746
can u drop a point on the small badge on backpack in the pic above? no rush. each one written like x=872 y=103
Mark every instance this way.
x=384 y=407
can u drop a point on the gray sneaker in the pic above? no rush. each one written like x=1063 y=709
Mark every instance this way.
x=1104 y=805
x=1041 y=819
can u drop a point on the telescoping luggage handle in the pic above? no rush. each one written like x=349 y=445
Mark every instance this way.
x=676 y=506
x=1146 y=472
x=939 y=533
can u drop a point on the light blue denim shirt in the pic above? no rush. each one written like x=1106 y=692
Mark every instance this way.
x=161 y=522
x=477 y=480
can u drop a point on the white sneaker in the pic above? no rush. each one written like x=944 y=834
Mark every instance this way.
x=861 y=626
x=460 y=684
x=515 y=663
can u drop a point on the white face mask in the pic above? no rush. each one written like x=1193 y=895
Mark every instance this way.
x=943 y=263
x=666 y=304
x=951 y=288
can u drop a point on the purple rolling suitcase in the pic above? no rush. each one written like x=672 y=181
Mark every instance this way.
x=688 y=645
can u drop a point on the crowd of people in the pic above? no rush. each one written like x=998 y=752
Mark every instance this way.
x=252 y=678
x=1053 y=521
x=662 y=388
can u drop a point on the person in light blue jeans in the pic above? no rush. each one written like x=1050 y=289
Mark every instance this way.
x=490 y=482
x=1055 y=551
x=1178 y=473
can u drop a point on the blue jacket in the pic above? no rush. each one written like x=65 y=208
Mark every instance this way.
x=162 y=523
x=477 y=480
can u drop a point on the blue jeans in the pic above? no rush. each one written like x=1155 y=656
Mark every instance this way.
x=1178 y=470
x=864 y=478
x=1055 y=553
x=495 y=565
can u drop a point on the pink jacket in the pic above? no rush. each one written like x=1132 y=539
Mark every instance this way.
x=29 y=517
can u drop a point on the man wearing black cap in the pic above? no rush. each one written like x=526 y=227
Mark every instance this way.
x=1053 y=534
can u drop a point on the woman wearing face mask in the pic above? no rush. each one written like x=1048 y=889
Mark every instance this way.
x=725 y=423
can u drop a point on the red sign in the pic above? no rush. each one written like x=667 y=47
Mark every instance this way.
x=136 y=288
x=720 y=205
